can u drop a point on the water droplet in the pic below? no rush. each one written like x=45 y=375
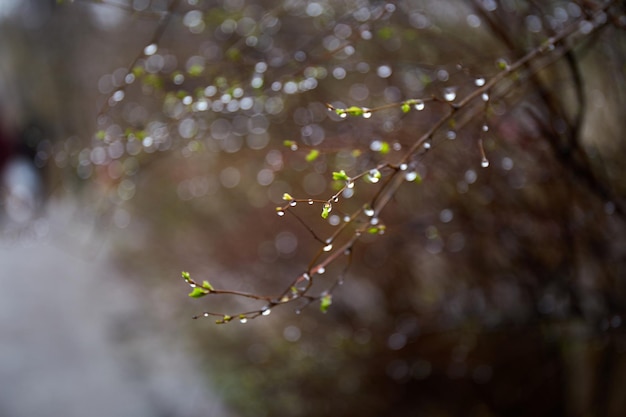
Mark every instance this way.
x=426 y=145
x=206 y=314
x=321 y=270
x=310 y=201
x=470 y=176
x=403 y=167
x=150 y=49
x=118 y=95
x=419 y=105
x=280 y=213
x=369 y=212
x=301 y=284
x=293 y=147
x=243 y=320
x=479 y=82
x=449 y=93
x=293 y=203
x=374 y=221
x=410 y=176
x=346 y=218
x=485 y=127
x=192 y=285
x=266 y=311
x=485 y=97
x=484 y=163
x=350 y=184
x=335 y=199
x=451 y=134
x=507 y=163
x=343 y=115
x=367 y=113
x=328 y=247
x=373 y=176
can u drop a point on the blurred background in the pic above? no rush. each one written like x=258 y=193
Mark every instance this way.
x=142 y=138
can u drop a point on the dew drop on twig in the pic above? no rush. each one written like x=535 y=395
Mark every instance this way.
x=449 y=93
x=150 y=49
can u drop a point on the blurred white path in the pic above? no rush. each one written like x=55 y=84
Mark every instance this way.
x=75 y=340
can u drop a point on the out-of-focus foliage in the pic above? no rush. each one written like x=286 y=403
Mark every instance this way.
x=497 y=287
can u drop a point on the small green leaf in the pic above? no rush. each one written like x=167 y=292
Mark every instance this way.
x=325 y=302
x=385 y=148
x=287 y=197
x=385 y=33
x=195 y=70
x=233 y=54
x=291 y=144
x=340 y=176
x=312 y=155
x=326 y=210
x=186 y=276
x=354 y=111
x=376 y=230
x=153 y=80
x=198 y=292
x=224 y=319
x=138 y=71
x=406 y=107
x=207 y=285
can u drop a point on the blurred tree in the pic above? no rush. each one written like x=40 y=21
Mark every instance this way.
x=266 y=146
